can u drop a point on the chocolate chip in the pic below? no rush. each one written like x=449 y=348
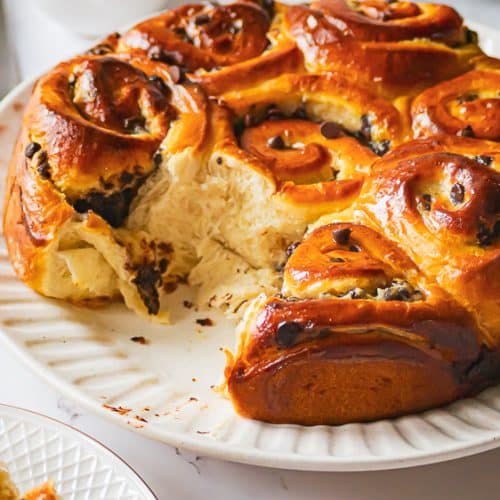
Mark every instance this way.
x=291 y=248
x=380 y=147
x=268 y=4
x=276 y=142
x=287 y=333
x=31 y=149
x=485 y=235
x=139 y=340
x=356 y=293
x=156 y=53
x=336 y=259
x=158 y=81
x=330 y=130
x=157 y=159
x=205 y=322
x=484 y=160
x=100 y=50
x=42 y=157
x=341 y=236
x=366 y=127
x=180 y=31
x=354 y=248
x=425 y=202
x=44 y=170
x=457 y=193
x=467 y=98
x=219 y=160
x=113 y=208
x=395 y=293
x=202 y=19
x=274 y=113
x=162 y=265
x=126 y=178
x=466 y=132
x=135 y=124
x=471 y=36
x=300 y=113
x=146 y=280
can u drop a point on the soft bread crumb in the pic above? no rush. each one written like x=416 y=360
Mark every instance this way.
x=226 y=281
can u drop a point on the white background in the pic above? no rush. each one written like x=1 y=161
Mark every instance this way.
x=36 y=42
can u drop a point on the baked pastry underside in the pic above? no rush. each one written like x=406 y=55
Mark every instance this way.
x=326 y=173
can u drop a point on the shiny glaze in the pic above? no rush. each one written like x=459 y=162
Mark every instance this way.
x=228 y=34
x=470 y=101
x=396 y=48
x=380 y=21
x=445 y=240
x=317 y=173
x=367 y=261
x=79 y=113
x=357 y=360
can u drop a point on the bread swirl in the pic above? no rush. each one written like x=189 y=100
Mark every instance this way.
x=357 y=333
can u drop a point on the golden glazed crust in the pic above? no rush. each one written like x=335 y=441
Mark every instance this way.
x=328 y=173
x=398 y=48
x=77 y=165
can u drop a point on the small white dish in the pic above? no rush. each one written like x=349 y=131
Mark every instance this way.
x=36 y=448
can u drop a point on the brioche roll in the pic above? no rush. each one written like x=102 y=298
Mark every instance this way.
x=467 y=106
x=88 y=142
x=444 y=212
x=395 y=47
x=220 y=46
x=357 y=334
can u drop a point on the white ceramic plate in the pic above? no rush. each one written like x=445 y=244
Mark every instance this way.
x=163 y=389
x=37 y=448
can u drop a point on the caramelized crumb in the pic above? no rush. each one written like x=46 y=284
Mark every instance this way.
x=205 y=322
x=140 y=340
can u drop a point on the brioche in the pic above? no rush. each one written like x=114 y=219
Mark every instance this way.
x=325 y=173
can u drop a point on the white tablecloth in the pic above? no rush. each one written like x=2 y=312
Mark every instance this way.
x=38 y=43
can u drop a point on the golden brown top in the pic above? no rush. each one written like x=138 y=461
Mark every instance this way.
x=381 y=21
x=467 y=106
x=398 y=48
x=201 y=36
x=350 y=260
x=95 y=123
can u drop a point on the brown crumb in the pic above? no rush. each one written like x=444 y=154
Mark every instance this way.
x=192 y=398
x=141 y=419
x=170 y=286
x=205 y=322
x=202 y=432
x=187 y=304
x=118 y=409
x=140 y=340
x=193 y=379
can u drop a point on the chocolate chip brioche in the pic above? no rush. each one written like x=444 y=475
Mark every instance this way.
x=327 y=172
